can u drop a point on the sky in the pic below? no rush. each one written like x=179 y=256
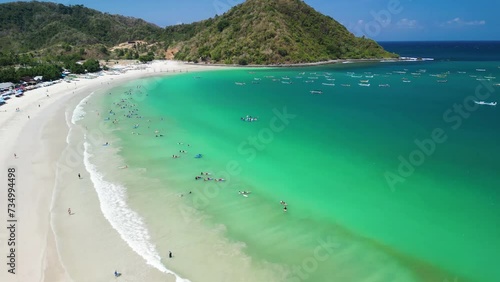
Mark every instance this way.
x=381 y=20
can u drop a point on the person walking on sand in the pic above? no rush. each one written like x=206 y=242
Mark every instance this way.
x=170 y=255
x=69 y=211
x=79 y=176
x=15 y=156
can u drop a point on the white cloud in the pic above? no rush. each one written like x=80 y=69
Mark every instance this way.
x=460 y=22
x=407 y=23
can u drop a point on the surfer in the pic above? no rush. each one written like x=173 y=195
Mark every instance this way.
x=285 y=209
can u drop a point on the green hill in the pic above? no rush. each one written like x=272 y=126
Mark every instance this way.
x=255 y=32
x=273 y=32
x=28 y=26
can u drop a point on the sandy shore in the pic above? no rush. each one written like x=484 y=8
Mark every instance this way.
x=50 y=244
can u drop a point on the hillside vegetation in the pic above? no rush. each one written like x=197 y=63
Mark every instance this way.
x=34 y=34
x=28 y=26
x=275 y=31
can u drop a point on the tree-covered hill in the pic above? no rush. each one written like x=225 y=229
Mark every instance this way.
x=275 y=31
x=28 y=26
x=254 y=32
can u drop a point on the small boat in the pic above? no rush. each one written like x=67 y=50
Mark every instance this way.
x=384 y=85
x=198 y=156
x=407 y=81
x=356 y=76
x=330 y=79
x=480 y=70
x=286 y=82
x=490 y=77
x=364 y=84
x=442 y=81
x=369 y=76
x=328 y=84
x=345 y=85
x=240 y=83
x=364 y=81
x=486 y=103
x=316 y=92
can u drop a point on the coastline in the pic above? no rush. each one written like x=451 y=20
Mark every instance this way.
x=329 y=62
x=39 y=143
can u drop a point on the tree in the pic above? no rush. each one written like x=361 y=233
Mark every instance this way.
x=92 y=65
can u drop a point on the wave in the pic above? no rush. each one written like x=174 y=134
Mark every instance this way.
x=79 y=113
x=128 y=223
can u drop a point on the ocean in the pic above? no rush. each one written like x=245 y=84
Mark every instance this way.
x=388 y=171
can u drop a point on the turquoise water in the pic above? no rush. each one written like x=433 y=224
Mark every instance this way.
x=328 y=156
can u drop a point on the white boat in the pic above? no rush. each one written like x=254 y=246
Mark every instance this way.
x=480 y=70
x=328 y=84
x=364 y=84
x=486 y=103
x=384 y=85
x=490 y=77
x=239 y=83
x=316 y=92
x=286 y=82
x=364 y=81
x=345 y=85
x=442 y=81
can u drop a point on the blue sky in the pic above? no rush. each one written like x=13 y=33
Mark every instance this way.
x=382 y=20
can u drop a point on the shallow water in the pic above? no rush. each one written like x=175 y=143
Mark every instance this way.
x=328 y=156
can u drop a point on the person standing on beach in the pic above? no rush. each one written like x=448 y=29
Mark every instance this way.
x=79 y=176
x=170 y=255
x=69 y=211
x=15 y=156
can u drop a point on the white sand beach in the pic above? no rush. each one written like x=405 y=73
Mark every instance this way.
x=50 y=244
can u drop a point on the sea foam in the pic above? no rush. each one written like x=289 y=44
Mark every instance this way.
x=128 y=223
x=79 y=112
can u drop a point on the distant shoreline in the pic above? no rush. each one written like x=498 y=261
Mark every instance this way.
x=329 y=62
